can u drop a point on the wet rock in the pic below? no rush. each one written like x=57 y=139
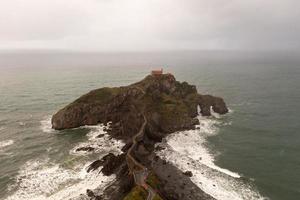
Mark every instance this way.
x=95 y=165
x=207 y=102
x=100 y=136
x=127 y=146
x=188 y=173
x=195 y=121
x=90 y=193
x=178 y=186
x=111 y=163
x=159 y=148
x=88 y=149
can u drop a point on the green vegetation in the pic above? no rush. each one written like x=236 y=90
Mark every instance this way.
x=173 y=113
x=99 y=96
x=137 y=193
x=153 y=181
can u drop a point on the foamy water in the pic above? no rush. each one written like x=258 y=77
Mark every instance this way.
x=46 y=125
x=6 y=143
x=188 y=151
x=103 y=144
x=41 y=179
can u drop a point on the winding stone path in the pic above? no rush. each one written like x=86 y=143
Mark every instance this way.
x=139 y=171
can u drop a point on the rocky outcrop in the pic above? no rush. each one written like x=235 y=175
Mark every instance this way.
x=88 y=149
x=206 y=102
x=176 y=185
x=110 y=163
x=153 y=107
x=169 y=106
x=188 y=173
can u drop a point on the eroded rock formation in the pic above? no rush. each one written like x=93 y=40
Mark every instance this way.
x=164 y=103
x=169 y=106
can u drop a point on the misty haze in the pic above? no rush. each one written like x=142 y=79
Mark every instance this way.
x=149 y=100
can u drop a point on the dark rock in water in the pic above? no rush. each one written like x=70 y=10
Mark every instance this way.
x=195 y=121
x=159 y=148
x=164 y=162
x=216 y=103
x=188 y=173
x=100 y=136
x=88 y=149
x=111 y=163
x=95 y=165
x=90 y=193
x=127 y=146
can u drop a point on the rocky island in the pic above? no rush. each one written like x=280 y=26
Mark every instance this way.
x=141 y=115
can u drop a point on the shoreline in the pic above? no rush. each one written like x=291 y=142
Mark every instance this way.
x=94 y=131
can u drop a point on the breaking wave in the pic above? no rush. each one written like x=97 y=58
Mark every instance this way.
x=99 y=141
x=188 y=150
x=39 y=180
x=42 y=179
x=46 y=125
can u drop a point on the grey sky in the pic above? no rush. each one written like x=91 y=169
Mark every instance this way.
x=117 y=25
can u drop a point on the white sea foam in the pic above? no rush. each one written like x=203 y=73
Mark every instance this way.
x=6 y=143
x=2 y=128
x=103 y=144
x=46 y=125
x=40 y=180
x=214 y=114
x=188 y=151
x=21 y=123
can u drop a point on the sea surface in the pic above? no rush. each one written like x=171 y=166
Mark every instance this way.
x=253 y=152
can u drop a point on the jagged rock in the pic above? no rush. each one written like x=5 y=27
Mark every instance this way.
x=90 y=193
x=168 y=104
x=88 y=149
x=127 y=146
x=100 y=136
x=216 y=103
x=188 y=173
x=95 y=165
x=159 y=148
x=111 y=163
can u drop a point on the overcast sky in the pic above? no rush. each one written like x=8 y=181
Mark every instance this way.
x=134 y=25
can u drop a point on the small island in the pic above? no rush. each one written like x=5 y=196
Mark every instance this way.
x=141 y=115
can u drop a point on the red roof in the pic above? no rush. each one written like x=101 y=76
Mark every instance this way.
x=157 y=72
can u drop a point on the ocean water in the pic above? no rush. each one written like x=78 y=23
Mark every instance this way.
x=253 y=152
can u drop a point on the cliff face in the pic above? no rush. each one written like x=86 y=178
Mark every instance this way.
x=168 y=105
